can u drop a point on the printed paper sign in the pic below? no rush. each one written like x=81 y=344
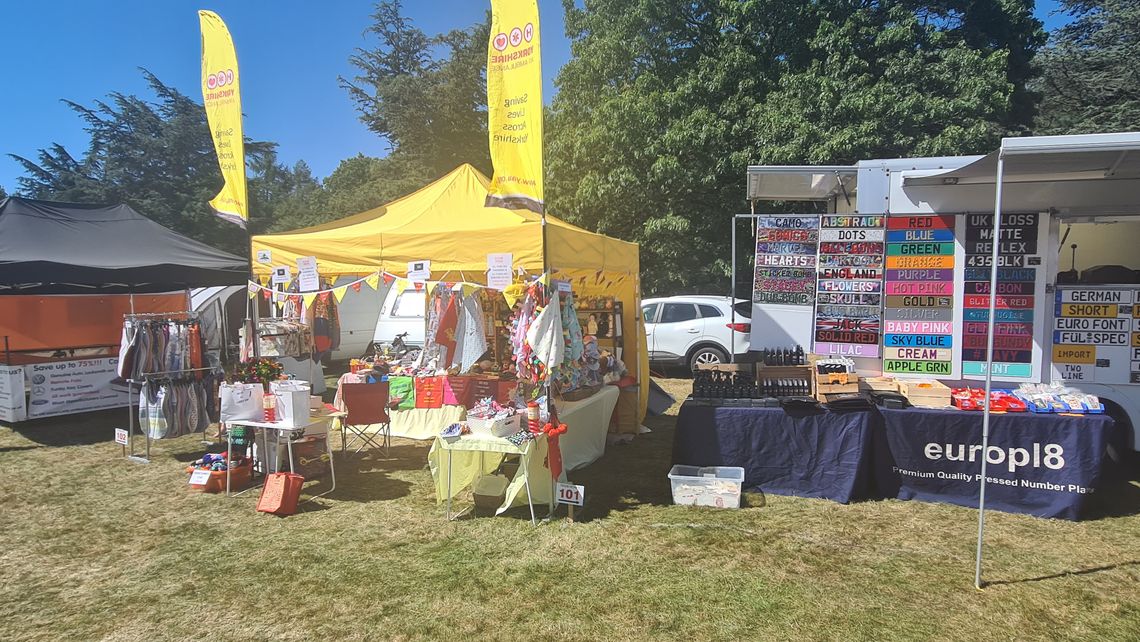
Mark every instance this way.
x=282 y=275
x=264 y=256
x=419 y=271
x=500 y=273
x=199 y=477
x=571 y=494
x=308 y=280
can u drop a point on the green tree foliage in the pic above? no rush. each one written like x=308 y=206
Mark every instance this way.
x=430 y=106
x=157 y=156
x=663 y=106
x=1089 y=81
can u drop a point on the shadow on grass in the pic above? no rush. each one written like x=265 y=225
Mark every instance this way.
x=84 y=429
x=1119 y=493
x=1054 y=576
x=629 y=476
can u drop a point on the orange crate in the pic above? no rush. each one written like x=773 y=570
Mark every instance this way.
x=239 y=479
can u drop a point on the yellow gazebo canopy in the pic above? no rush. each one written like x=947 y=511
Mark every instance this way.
x=447 y=223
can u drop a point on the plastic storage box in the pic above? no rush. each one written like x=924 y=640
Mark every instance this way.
x=716 y=486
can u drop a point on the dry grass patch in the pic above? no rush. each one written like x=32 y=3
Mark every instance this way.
x=94 y=547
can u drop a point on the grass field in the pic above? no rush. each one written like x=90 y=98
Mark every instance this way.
x=95 y=547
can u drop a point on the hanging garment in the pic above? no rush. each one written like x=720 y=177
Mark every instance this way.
x=128 y=349
x=472 y=342
x=445 y=333
x=545 y=334
x=152 y=417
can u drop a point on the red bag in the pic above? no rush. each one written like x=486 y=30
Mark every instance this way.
x=429 y=392
x=280 y=494
x=457 y=391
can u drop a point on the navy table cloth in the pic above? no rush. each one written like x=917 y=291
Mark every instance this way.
x=1043 y=465
x=816 y=453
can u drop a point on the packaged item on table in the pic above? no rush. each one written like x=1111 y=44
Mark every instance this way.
x=429 y=392
x=241 y=401
x=292 y=400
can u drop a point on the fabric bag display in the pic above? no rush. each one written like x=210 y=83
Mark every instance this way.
x=457 y=391
x=429 y=392
x=241 y=401
x=280 y=494
x=292 y=398
x=404 y=389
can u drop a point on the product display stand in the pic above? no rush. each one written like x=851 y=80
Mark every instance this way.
x=129 y=447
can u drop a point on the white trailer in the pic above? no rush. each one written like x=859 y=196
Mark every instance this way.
x=1086 y=191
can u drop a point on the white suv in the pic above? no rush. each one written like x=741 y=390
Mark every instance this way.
x=696 y=329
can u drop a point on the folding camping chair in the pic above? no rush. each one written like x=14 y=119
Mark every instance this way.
x=365 y=404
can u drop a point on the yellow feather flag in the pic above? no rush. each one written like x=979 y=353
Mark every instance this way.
x=221 y=96
x=514 y=106
x=340 y=292
x=373 y=281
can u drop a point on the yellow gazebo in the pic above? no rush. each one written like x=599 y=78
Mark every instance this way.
x=447 y=223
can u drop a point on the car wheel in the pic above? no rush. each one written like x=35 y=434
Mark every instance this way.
x=706 y=356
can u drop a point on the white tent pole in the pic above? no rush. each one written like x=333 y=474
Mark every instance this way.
x=732 y=296
x=996 y=240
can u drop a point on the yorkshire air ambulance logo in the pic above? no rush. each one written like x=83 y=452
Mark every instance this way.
x=515 y=38
x=220 y=79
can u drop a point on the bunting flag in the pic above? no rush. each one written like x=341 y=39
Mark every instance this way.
x=356 y=286
x=309 y=298
x=221 y=96
x=373 y=281
x=253 y=289
x=340 y=292
x=267 y=294
x=388 y=278
x=400 y=284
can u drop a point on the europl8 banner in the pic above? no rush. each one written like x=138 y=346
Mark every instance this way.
x=514 y=106
x=222 y=97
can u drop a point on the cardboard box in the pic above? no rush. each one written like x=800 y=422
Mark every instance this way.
x=824 y=389
x=727 y=367
x=925 y=393
x=879 y=384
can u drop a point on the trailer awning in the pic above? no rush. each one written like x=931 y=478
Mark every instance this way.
x=800 y=182
x=1049 y=158
x=1087 y=175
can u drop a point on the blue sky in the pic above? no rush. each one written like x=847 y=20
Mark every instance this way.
x=290 y=51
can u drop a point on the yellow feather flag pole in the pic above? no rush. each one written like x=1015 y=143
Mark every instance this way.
x=221 y=96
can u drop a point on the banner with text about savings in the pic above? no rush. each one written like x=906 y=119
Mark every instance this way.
x=222 y=97
x=514 y=106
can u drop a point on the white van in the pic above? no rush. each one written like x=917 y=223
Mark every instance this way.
x=402 y=312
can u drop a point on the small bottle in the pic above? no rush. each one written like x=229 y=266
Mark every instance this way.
x=800 y=356
x=269 y=407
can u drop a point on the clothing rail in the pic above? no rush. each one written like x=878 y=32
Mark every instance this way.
x=129 y=447
x=190 y=314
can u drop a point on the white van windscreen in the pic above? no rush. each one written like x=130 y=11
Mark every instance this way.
x=410 y=303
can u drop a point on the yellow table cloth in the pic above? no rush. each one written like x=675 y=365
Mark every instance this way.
x=473 y=456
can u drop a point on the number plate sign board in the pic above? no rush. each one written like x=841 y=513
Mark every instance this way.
x=849 y=287
x=1020 y=290
x=919 y=307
